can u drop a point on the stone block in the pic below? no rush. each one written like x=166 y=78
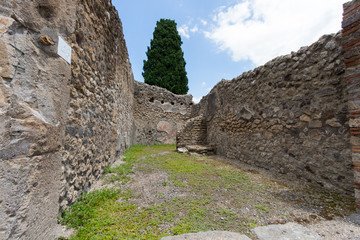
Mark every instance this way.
x=354 y=122
x=333 y=122
x=305 y=118
x=355 y=140
x=285 y=232
x=315 y=124
x=5 y=23
x=6 y=70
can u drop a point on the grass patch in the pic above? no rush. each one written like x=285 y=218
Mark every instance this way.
x=101 y=215
x=262 y=207
x=215 y=196
x=121 y=173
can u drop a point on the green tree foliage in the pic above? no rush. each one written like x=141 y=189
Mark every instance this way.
x=165 y=66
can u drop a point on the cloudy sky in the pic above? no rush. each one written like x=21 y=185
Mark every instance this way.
x=224 y=38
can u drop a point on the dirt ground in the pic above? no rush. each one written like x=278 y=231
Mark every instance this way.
x=310 y=207
x=320 y=211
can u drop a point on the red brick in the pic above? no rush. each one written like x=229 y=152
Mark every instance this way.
x=350 y=78
x=351 y=10
x=349 y=45
x=355 y=132
x=356 y=164
x=353 y=98
x=355 y=114
x=351 y=29
x=352 y=61
x=356 y=149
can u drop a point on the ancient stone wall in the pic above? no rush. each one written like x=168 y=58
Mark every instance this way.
x=99 y=117
x=193 y=132
x=60 y=124
x=351 y=47
x=158 y=114
x=289 y=116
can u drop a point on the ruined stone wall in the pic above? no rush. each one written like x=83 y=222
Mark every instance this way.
x=100 y=121
x=193 y=133
x=60 y=124
x=289 y=116
x=351 y=47
x=158 y=114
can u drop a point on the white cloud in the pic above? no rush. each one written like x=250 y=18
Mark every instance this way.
x=259 y=30
x=203 y=22
x=184 y=31
x=196 y=100
x=194 y=29
x=203 y=83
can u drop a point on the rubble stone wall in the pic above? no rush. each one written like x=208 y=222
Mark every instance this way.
x=289 y=116
x=60 y=124
x=193 y=133
x=99 y=117
x=351 y=47
x=159 y=114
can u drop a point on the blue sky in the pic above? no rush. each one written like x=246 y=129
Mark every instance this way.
x=224 y=38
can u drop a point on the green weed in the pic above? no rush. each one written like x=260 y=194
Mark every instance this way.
x=262 y=207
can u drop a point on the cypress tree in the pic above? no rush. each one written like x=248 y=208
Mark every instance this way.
x=165 y=64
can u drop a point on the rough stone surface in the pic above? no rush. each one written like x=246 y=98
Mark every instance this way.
x=33 y=102
x=289 y=116
x=341 y=229
x=286 y=231
x=355 y=218
x=200 y=149
x=60 y=124
x=351 y=49
x=182 y=150
x=212 y=235
x=99 y=120
x=159 y=114
x=193 y=132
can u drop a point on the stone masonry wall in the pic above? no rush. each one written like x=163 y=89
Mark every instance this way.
x=100 y=120
x=158 y=114
x=60 y=124
x=33 y=101
x=351 y=47
x=289 y=116
x=193 y=132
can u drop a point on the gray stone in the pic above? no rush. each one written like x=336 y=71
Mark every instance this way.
x=211 y=235
x=355 y=218
x=200 y=149
x=289 y=231
x=331 y=45
x=245 y=113
x=182 y=150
